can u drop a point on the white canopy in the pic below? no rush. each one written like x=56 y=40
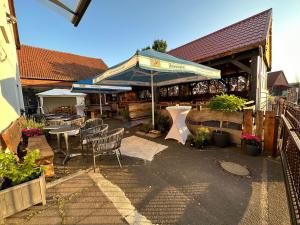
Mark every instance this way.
x=60 y=93
x=58 y=97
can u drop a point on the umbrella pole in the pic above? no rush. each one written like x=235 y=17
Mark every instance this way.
x=152 y=99
x=100 y=103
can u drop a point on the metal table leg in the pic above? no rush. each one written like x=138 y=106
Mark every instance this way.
x=68 y=155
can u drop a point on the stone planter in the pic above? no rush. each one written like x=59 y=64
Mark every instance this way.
x=253 y=150
x=22 y=196
x=221 y=138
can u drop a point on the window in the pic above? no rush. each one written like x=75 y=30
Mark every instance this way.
x=200 y=88
x=163 y=91
x=173 y=91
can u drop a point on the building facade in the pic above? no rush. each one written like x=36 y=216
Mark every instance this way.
x=243 y=53
x=11 y=99
x=44 y=69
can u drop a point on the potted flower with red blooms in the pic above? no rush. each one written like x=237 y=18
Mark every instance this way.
x=252 y=144
x=31 y=128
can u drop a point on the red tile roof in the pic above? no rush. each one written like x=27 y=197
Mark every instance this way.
x=45 y=64
x=240 y=36
x=277 y=78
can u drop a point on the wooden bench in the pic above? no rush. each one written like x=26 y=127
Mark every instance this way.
x=46 y=153
x=12 y=136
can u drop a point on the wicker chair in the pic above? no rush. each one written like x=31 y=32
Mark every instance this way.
x=107 y=144
x=92 y=123
x=87 y=134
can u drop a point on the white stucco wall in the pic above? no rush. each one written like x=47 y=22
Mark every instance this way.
x=11 y=99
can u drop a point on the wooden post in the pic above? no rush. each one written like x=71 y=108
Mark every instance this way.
x=276 y=135
x=269 y=132
x=248 y=121
x=253 y=80
x=259 y=122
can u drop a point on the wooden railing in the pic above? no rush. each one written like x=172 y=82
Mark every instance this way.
x=289 y=147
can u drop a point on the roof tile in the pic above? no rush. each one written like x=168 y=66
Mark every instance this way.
x=243 y=34
x=45 y=64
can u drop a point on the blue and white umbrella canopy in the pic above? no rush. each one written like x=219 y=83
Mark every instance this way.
x=152 y=68
x=166 y=70
x=87 y=86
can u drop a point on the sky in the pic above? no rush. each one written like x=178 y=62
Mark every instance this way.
x=114 y=29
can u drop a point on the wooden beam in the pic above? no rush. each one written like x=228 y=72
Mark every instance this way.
x=241 y=66
x=82 y=7
x=228 y=59
x=34 y=83
x=253 y=79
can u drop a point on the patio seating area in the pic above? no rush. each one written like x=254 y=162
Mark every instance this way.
x=181 y=185
x=182 y=136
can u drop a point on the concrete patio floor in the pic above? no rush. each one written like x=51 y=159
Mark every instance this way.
x=181 y=186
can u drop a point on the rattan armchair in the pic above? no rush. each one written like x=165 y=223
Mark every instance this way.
x=88 y=133
x=93 y=122
x=107 y=144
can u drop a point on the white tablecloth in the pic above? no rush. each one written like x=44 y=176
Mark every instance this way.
x=179 y=130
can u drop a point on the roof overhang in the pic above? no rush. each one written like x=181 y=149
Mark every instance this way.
x=77 y=13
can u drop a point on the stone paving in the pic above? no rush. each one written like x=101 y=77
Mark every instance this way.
x=76 y=201
x=181 y=186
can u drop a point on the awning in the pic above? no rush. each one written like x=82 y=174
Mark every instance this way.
x=87 y=86
x=60 y=93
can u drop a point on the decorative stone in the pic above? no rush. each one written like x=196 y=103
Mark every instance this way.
x=234 y=168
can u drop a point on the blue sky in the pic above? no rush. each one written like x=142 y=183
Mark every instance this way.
x=114 y=29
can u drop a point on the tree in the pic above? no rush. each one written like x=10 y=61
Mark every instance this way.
x=158 y=45
x=146 y=48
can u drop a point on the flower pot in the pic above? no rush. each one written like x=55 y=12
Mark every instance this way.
x=253 y=150
x=221 y=138
x=22 y=196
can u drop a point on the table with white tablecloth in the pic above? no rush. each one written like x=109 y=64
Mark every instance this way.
x=179 y=130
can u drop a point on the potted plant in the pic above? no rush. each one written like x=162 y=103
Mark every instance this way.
x=252 y=144
x=226 y=104
x=31 y=128
x=162 y=123
x=190 y=140
x=18 y=178
x=201 y=137
x=221 y=138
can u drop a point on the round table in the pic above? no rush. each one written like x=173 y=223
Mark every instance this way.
x=179 y=130
x=66 y=131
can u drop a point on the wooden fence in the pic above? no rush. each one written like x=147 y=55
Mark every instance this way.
x=259 y=123
x=263 y=125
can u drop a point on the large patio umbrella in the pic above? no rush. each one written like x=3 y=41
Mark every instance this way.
x=149 y=68
x=87 y=86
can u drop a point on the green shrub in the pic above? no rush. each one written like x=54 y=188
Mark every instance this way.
x=226 y=103
x=31 y=123
x=201 y=136
x=19 y=172
x=162 y=123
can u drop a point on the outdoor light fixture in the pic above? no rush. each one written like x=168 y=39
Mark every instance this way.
x=11 y=19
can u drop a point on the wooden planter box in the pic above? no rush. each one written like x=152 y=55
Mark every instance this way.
x=22 y=196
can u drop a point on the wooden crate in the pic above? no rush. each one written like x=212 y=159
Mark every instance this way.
x=22 y=196
x=139 y=110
